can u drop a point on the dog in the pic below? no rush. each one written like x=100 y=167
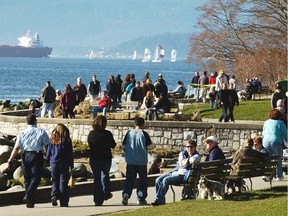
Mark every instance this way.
x=210 y=188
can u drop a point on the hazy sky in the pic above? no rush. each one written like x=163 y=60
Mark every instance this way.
x=85 y=22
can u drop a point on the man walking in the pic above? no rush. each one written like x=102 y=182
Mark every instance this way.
x=31 y=141
x=135 y=146
x=48 y=95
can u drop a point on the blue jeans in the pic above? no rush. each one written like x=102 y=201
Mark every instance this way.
x=99 y=109
x=162 y=185
x=60 y=178
x=102 y=187
x=131 y=174
x=47 y=107
x=276 y=149
x=32 y=164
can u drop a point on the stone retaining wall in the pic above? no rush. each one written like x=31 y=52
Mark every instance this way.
x=165 y=134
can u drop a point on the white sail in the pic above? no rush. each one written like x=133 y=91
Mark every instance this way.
x=91 y=55
x=134 y=55
x=158 y=54
x=173 y=55
x=147 y=55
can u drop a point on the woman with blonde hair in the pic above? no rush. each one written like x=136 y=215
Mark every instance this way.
x=101 y=142
x=60 y=155
x=148 y=105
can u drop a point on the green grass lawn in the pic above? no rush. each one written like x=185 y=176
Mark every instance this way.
x=268 y=202
x=247 y=110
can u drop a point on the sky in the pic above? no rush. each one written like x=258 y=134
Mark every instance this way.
x=64 y=23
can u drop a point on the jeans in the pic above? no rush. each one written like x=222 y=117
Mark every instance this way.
x=99 y=109
x=60 y=178
x=162 y=185
x=131 y=174
x=276 y=149
x=212 y=103
x=101 y=187
x=149 y=113
x=47 y=107
x=32 y=164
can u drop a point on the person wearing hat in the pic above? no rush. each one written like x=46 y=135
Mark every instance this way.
x=214 y=152
x=179 y=174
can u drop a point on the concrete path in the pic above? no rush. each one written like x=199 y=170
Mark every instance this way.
x=84 y=205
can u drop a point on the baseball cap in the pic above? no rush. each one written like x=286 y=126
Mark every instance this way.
x=160 y=75
x=212 y=138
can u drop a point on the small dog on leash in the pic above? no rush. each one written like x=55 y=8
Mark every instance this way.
x=210 y=188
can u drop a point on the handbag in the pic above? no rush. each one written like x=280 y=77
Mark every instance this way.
x=71 y=182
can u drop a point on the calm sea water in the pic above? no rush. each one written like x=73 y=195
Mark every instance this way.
x=23 y=78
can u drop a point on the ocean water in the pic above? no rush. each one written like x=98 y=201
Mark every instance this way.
x=23 y=78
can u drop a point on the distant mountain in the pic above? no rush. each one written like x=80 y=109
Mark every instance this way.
x=178 y=41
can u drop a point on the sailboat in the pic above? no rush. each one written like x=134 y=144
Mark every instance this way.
x=134 y=55
x=173 y=55
x=91 y=54
x=147 y=55
x=158 y=54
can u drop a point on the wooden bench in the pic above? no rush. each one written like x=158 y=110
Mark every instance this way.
x=263 y=90
x=251 y=167
x=214 y=170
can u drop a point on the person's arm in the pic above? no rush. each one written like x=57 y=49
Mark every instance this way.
x=13 y=154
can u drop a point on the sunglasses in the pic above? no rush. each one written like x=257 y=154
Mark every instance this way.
x=190 y=146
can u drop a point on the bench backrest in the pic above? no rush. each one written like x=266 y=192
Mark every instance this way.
x=250 y=167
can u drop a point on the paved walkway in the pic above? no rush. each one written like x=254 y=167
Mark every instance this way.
x=84 y=205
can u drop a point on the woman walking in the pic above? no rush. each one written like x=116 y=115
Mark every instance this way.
x=60 y=155
x=100 y=142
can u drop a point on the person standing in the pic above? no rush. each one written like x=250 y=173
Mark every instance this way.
x=223 y=97
x=101 y=142
x=135 y=145
x=119 y=92
x=60 y=155
x=48 y=95
x=94 y=88
x=220 y=79
x=68 y=102
x=179 y=174
x=274 y=133
x=111 y=87
x=203 y=81
x=31 y=141
x=80 y=91
x=195 y=85
x=234 y=100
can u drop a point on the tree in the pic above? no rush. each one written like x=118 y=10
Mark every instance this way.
x=244 y=37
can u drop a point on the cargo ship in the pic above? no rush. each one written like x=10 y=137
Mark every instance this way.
x=27 y=47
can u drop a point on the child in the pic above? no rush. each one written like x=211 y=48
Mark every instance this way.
x=155 y=167
x=212 y=96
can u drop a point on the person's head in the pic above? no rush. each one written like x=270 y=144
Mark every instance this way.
x=99 y=123
x=274 y=114
x=48 y=83
x=137 y=84
x=31 y=119
x=60 y=134
x=58 y=92
x=280 y=103
x=139 y=122
x=179 y=83
x=248 y=142
x=210 y=142
x=191 y=146
x=157 y=161
x=221 y=73
x=160 y=76
x=205 y=73
x=147 y=73
x=68 y=87
x=149 y=94
x=127 y=77
x=79 y=80
x=94 y=77
x=224 y=85
x=257 y=143
x=196 y=73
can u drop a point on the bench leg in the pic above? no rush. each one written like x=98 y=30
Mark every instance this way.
x=173 y=192
x=250 y=184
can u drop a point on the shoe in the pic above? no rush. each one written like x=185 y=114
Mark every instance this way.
x=125 y=199
x=266 y=178
x=54 y=201
x=29 y=202
x=187 y=198
x=98 y=204
x=109 y=196
x=280 y=178
x=155 y=203
x=142 y=202
x=64 y=205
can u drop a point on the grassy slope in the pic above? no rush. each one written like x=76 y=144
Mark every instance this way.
x=247 y=110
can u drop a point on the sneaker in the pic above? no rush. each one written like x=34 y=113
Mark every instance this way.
x=280 y=178
x=125 y=199
x=266 y=178
x=188 y=197
x=155 y=203
x=142 y=202
x=54 y=201
x=29 y=202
